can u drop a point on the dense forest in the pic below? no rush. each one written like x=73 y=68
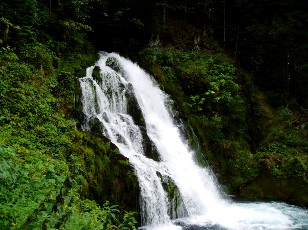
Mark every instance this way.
x=236 y=70
x=266 y=38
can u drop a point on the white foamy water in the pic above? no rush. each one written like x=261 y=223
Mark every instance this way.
x=196 y=200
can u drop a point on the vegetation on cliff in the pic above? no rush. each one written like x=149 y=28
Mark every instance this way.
x=53 y=175
x=257 y=152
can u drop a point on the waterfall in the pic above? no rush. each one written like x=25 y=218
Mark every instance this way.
x=134 y=111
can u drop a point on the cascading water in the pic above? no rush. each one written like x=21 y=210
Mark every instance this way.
x=196 y=202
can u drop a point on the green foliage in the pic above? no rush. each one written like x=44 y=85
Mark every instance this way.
x=209 y=82
x=7 y=55
x=56 y=177
x=37 y=191
x=106 y=171
x=209 y=96
x=45 y=169
x=283 y=153
x=39 y=56
x=247 y=143
x=28 y=180
x=27 y=12
x=88 y=215
x=75 y=32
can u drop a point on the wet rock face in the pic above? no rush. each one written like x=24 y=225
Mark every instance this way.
x=96 y=74
x=176 y=208
x=114 y=64
x=134 y=110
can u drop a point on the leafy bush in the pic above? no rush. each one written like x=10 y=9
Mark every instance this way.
x=39 y=56
x=43 y=171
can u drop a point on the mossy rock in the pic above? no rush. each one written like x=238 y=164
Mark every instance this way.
x=114 y=64
x=96 y=126
x=176 y=204
x=108 y=174
x=293 y=190
x=252 y=192
x=96 y=74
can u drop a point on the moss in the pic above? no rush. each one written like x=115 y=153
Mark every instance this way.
x=293 y=190
x=176 y=206
x=108 y=174
x=113 y=63
x=252 y=192
x=96 y=126
x=96 y=74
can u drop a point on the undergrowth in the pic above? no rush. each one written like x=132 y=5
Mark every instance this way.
x=45 y=180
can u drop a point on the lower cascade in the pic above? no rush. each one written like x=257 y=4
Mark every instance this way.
x=175 y=192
